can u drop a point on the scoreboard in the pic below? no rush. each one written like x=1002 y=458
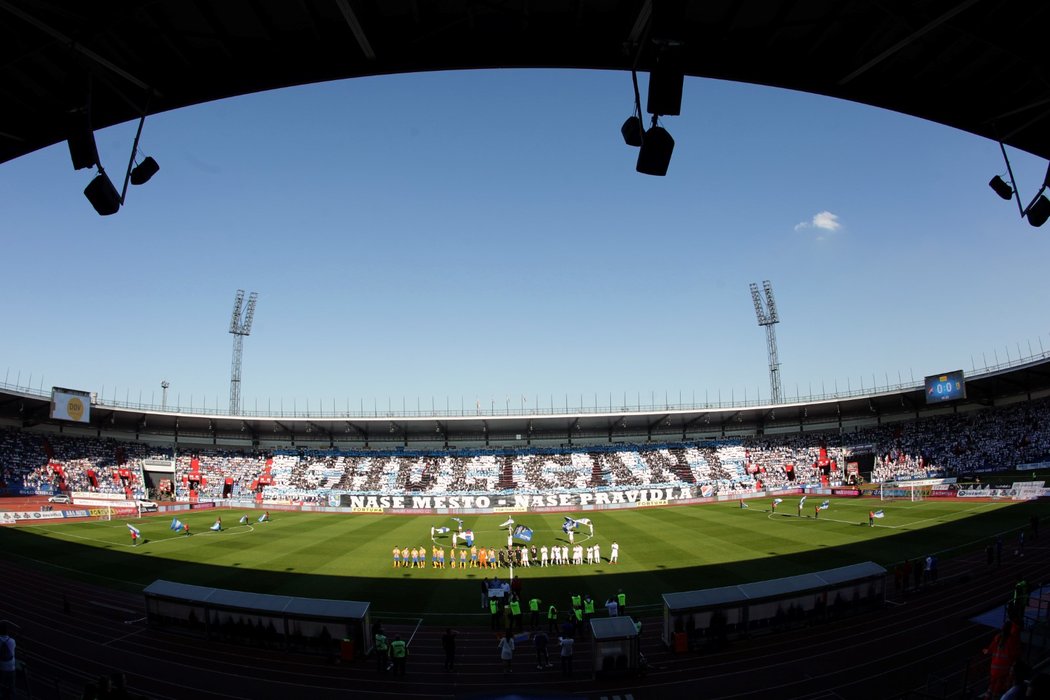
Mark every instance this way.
x=949 y=386
x=71 y=405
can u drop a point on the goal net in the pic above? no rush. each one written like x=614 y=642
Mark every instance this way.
x=893 y=491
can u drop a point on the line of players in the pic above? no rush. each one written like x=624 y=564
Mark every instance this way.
x=494 y=558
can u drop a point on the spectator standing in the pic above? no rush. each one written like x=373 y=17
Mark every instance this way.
x=382 y=649
x=399 y=655
x=1004 y=650
x=506 y=650
x=542 y=659
x=534 y=610
x=566 y=644
x=7 y=663
x=448 y=643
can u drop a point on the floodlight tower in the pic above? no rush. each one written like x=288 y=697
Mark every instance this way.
x=239 y=329
x=767 y=316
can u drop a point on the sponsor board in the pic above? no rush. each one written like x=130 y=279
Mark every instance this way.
x=366 y=510
x=87 y=496
x=1032 y=466
x=11 y=516
x=202 y=506
x=509 y=509
x=104 y=503
x=985 y=493
x=111 y=510
x=845 y=492
x=943 y=493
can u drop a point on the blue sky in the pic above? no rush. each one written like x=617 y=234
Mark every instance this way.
x=479 y=236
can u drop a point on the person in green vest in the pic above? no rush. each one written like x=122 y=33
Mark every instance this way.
x=515 y=614
x=534 y=608
x=382 y=649
x=552 y=620
x=588 y=607
x=576 y=602
x=621 y=602
x=398 y=654
x=494 y=611
x=577 y=621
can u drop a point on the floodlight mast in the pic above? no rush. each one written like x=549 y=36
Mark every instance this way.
x=767 y=316
x=239 y=329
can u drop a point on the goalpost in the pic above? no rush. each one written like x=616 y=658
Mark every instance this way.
x=894 y=491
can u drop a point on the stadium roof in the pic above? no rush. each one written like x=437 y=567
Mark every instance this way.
x=1022 y=381
x=976 y=65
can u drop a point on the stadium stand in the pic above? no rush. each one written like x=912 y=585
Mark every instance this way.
x=954 y=444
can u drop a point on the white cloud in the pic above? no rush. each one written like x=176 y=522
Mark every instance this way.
x=824 y=220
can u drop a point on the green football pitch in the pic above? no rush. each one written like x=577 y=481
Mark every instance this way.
x=348 y=556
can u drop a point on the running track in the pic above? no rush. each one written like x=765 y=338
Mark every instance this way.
x=875 y=655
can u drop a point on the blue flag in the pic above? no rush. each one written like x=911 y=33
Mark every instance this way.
x=243 y=520
x=468 y=537
x=802 y=501
x=176 y=524
x=217 y=527
x=441 y=530
x=879 y=514
x=825 y=505
x=264 y=517
x=134 y=530
x=777 y=501
x=523 y=533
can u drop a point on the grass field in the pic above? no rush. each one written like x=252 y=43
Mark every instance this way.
x=661 y=549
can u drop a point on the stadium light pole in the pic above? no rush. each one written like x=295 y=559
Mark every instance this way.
x=768 y=317
x=164 y=384
x=240 y=329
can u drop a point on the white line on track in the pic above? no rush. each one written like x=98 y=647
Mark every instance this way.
x=113 y=607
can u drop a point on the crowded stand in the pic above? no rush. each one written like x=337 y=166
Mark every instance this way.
x=946 y=445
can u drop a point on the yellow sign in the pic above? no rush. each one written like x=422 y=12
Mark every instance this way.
x=75 y=408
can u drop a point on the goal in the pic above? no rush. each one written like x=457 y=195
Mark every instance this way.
x=893 y=491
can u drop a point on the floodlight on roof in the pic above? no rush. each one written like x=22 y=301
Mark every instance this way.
x=665 y=90
x=632 y=131
x=1038 y=211
x=654 y=156
x=1001 y=187
x=81 y=139
x=142 y=172
x=102 y=194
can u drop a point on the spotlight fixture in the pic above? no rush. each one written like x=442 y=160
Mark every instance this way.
x=1001 y=187
x=1038 y=211
x=654 y=156
x=144 y=171
x=103 y=195
x=81 y=139
x=665 y=91
x=632 y=131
